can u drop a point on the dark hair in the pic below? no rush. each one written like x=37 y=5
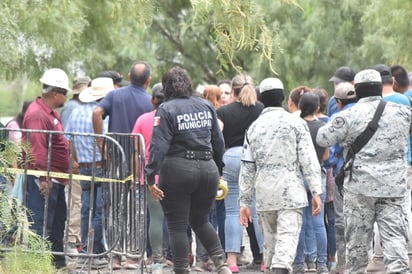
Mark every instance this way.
x=20 y=116
x=272 y=98
x=177 y=83
x=308 y=104
x=368 y=89
x=346 y=101
x=298 y=92
x=323 y=98
x=138 y=74
x=226 y=81
x=401 y=75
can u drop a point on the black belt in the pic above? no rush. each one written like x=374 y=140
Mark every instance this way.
x=194 y=155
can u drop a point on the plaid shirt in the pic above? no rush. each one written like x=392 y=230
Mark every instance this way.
x=80 y=120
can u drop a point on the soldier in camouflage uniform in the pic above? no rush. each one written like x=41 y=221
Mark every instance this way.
x=277 y=151
x=375 y=189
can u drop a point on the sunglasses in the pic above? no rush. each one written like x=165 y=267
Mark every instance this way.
x=61 y=91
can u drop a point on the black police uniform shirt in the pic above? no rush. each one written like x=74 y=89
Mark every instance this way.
x=181 y=124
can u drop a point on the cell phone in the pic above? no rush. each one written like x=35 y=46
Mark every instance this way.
x=38 y=183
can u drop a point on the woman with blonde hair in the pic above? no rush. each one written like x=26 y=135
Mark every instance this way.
x=234 y=119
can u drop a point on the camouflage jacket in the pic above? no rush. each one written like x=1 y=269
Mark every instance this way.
x=379 y=168
x=277 y=153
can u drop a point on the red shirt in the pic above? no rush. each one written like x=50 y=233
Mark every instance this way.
x=40 y=116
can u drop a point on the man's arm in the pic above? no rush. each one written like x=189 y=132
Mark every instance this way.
x=98 y=114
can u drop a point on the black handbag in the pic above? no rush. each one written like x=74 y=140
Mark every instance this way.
x=357 y=145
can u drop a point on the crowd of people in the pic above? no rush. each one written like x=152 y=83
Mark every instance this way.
x=279 y=156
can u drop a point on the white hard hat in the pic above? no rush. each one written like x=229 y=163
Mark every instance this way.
x=55 y=77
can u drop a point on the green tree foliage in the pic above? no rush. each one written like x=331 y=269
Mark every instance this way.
x=303 y=42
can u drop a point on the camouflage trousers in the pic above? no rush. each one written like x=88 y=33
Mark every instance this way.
x=281 y=229
x=361 y=213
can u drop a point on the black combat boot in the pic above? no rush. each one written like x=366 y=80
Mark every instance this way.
x=180 y=271
x=279 y=271
x=220 y=264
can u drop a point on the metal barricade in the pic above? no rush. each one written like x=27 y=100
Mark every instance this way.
x=129 y=222
x=123 y=192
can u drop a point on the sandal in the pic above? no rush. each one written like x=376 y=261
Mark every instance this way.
x=131 y=264
x=116 y=264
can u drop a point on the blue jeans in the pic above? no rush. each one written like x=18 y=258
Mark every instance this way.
x=56 y=213
x=330 y=228
x=319 y=231
x=233 y=229
x=217 y=219
x=155 y=229
x=96 y=213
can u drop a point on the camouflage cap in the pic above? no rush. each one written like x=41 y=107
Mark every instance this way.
x=368 y=76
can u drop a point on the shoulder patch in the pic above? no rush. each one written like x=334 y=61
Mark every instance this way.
x=338 y=122
x=156 y=121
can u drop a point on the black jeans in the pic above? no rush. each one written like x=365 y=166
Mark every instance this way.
x=190 y=187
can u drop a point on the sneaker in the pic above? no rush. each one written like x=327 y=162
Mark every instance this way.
x=96 y=263
x=332 y=266
x=157 y=268
x=298 y=269
x=242 y=260
x=251 y=266
x=323 y=269
x=202 y=266
x=310 y=266
x=376 y=265
x=71 y=248
x=99 y=263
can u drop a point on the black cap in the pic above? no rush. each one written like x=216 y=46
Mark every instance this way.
x=116 y=76
x=343 y=74
x=385 y=73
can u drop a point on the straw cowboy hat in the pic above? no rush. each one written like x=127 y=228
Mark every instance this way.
x=98 y=89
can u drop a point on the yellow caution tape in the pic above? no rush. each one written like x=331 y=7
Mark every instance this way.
x=222 y=190
x=62 y=175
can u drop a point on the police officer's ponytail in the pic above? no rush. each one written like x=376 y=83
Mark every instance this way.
x=177 y=83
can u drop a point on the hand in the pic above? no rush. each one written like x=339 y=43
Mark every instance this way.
x=156 y=192
x=316 y=205
x=43 y=187
x=99 y=141
x=76 y=168
x=245 y=216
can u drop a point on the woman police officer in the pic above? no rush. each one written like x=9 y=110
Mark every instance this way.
x=186 y=139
